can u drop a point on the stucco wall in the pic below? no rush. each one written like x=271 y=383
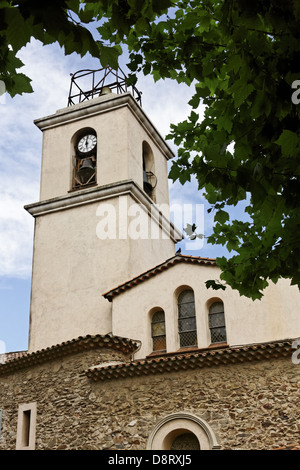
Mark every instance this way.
x=275 y=317
x=73 y=266
x=248 y=406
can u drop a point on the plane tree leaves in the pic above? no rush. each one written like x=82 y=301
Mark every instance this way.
x=67 y=23
x=242 y=59
x=46 y=21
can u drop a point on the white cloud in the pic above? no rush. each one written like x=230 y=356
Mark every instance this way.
x=165 y=102
x=20 y=152
x=16 y=226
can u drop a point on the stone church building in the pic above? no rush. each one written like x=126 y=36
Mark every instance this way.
x=128 y=349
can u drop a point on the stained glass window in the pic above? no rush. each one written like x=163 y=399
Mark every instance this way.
x=217 y=323
x=187 y=319
x=158 y=331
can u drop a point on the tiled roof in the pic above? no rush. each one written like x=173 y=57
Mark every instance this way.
x=195 y=359
x=294 y=446
x=10 y=356
x=158 y=269
x=14 y=362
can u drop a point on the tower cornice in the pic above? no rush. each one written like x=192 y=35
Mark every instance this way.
x=104 y=104
x=122 y=188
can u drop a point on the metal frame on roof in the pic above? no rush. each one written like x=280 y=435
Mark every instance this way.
x=98 y=83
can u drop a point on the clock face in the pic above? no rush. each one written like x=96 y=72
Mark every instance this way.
x=87 y=143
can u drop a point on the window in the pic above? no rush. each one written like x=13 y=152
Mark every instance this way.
x=187 y=319
x=26 y=427
x=185 y=441
x=217 y=323
x=158 y=331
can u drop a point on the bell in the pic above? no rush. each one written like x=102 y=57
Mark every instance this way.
x=86 y=171
x=147 y=186
x=105 y=91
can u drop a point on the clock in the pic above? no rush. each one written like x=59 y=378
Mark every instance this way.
x=87 y=143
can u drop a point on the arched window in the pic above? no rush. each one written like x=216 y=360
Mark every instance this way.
x=149 y=178
x=85 y=158
x=187 y=319
x=158 y=331
x=182 y=431
x=217 y=323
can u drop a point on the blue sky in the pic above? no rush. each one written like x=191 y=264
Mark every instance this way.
x=20 y=158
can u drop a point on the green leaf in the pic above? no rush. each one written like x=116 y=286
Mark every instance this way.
x=194 y=117
x=242 y=94
x=235 y=63
x=289 y=143
x=221 y=216
x=212 y=84
x=258 y=107
x=156 y=75
x=224 y=122
x=194 y=101
x=174 y=172
x=85 y=15
x=21 y=84
x=109 y=56
x=216 y=285
x=18 y=32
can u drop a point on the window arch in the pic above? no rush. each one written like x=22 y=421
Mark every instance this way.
x=84 y=144
x=187 y=319
x=216 y=319
x=182 y=431
x=158 y=331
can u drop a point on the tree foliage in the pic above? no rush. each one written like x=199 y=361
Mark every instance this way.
x=243 y=61
x=66 y=22
x=242 y=58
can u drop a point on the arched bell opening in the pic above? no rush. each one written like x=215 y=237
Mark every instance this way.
x=149 y=177
x=84 y=144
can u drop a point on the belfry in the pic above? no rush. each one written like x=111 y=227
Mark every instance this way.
x=100 y=152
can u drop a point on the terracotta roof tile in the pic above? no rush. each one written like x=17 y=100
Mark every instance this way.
x=192 y=360
x=83 y=343
x=294 y=446
x=10 y=356
x=157 y=270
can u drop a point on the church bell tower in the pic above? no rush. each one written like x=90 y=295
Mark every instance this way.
x=102 y=216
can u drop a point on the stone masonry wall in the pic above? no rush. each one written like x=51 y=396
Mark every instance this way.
x=249 y=406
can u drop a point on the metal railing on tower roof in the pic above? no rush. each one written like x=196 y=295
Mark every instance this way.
x=88 y=84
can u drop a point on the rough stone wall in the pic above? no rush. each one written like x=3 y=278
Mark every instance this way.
x=248 y=406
